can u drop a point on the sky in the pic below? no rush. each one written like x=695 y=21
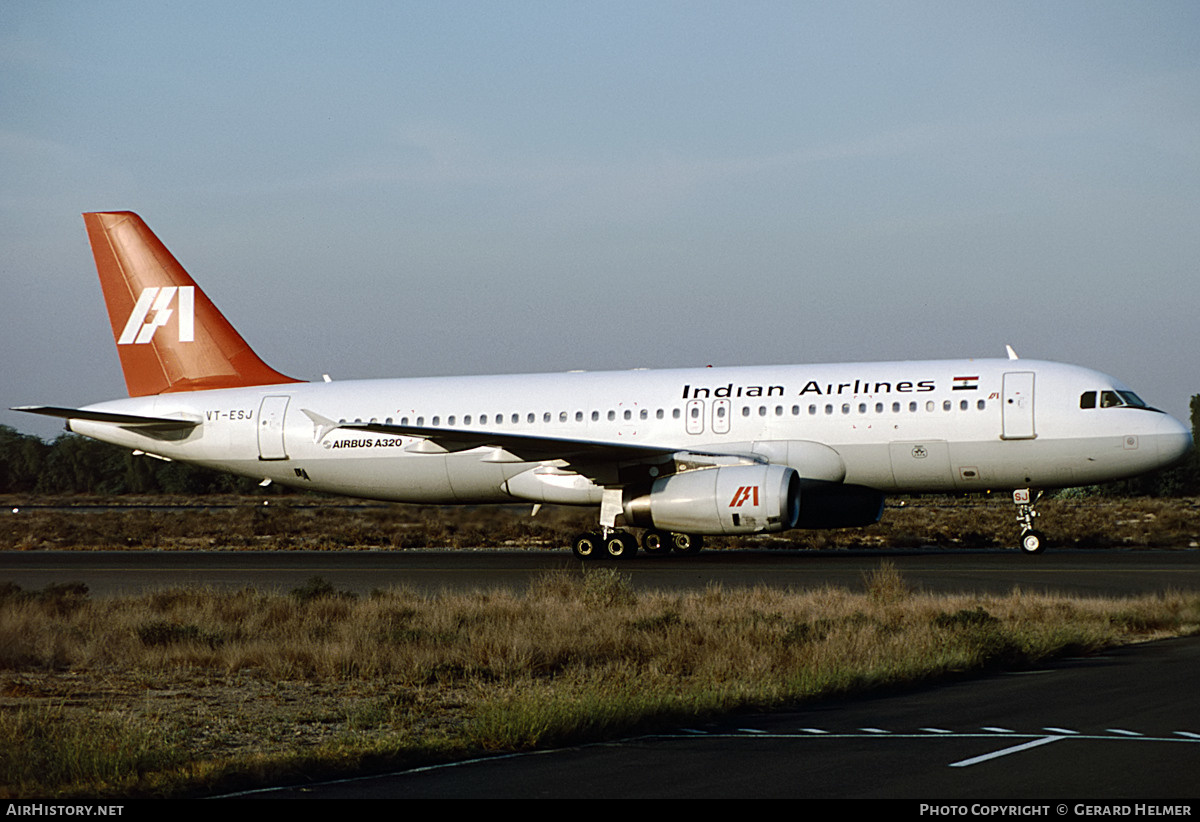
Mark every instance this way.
x=418 y=188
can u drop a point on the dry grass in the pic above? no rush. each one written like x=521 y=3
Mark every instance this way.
x=190 y=691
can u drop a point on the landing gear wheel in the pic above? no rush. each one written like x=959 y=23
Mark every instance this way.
x=1033 y=542
x=620 y=545
x=687 y=544
x=656 y=543
x=587 y=545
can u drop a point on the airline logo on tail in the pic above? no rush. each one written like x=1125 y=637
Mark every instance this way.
x=153 y=310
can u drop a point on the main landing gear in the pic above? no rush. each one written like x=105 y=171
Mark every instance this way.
x=614 y=544
x=1032 y=540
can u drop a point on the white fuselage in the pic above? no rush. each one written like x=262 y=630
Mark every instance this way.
x=933 y=426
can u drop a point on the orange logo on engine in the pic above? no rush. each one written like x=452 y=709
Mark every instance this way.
x=742 y=495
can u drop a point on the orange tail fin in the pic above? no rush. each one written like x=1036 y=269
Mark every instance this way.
x=169 y=334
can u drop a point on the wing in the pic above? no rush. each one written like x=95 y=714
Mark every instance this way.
x=594 y=459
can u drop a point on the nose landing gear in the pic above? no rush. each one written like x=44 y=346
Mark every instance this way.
x=1033 y=541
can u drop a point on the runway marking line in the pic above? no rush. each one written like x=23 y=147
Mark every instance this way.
x=987 y=732
x=975 y=760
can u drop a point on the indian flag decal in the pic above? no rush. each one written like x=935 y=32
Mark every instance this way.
x=966 y=383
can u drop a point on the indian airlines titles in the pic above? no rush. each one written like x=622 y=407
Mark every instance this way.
x=814 y=388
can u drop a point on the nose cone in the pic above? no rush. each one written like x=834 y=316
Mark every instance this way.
x=1174 y=440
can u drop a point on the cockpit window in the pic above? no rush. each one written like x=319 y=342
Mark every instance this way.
x=1113 y=399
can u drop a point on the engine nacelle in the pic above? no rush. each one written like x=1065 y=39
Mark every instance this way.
x=730 y=499
x=832 y=505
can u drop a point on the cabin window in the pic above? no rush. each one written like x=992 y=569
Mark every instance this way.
x=675 y=413
x=1110 y=399
x=436 y=421
x=658 y=415
x=946 y=405
x=628 y=414
x=578 y=416
x=612 y=415
x=645 y=414
x=1087 y=399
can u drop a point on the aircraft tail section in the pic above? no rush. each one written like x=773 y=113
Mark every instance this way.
x=169 y=335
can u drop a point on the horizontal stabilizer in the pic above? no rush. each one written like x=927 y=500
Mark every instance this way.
x=127 y=420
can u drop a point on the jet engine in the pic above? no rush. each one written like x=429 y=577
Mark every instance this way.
x=833 y=505
x=730 y=499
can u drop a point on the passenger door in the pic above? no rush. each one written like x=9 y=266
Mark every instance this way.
x=270 y=428
x=1017 y=407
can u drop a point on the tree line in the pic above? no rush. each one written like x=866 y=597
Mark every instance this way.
x=72 y=464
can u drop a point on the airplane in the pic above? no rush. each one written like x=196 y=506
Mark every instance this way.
x=680 y=453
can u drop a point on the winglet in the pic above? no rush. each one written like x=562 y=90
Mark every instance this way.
x=169 y=335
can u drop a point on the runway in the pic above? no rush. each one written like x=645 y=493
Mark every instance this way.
x=1074 y=572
